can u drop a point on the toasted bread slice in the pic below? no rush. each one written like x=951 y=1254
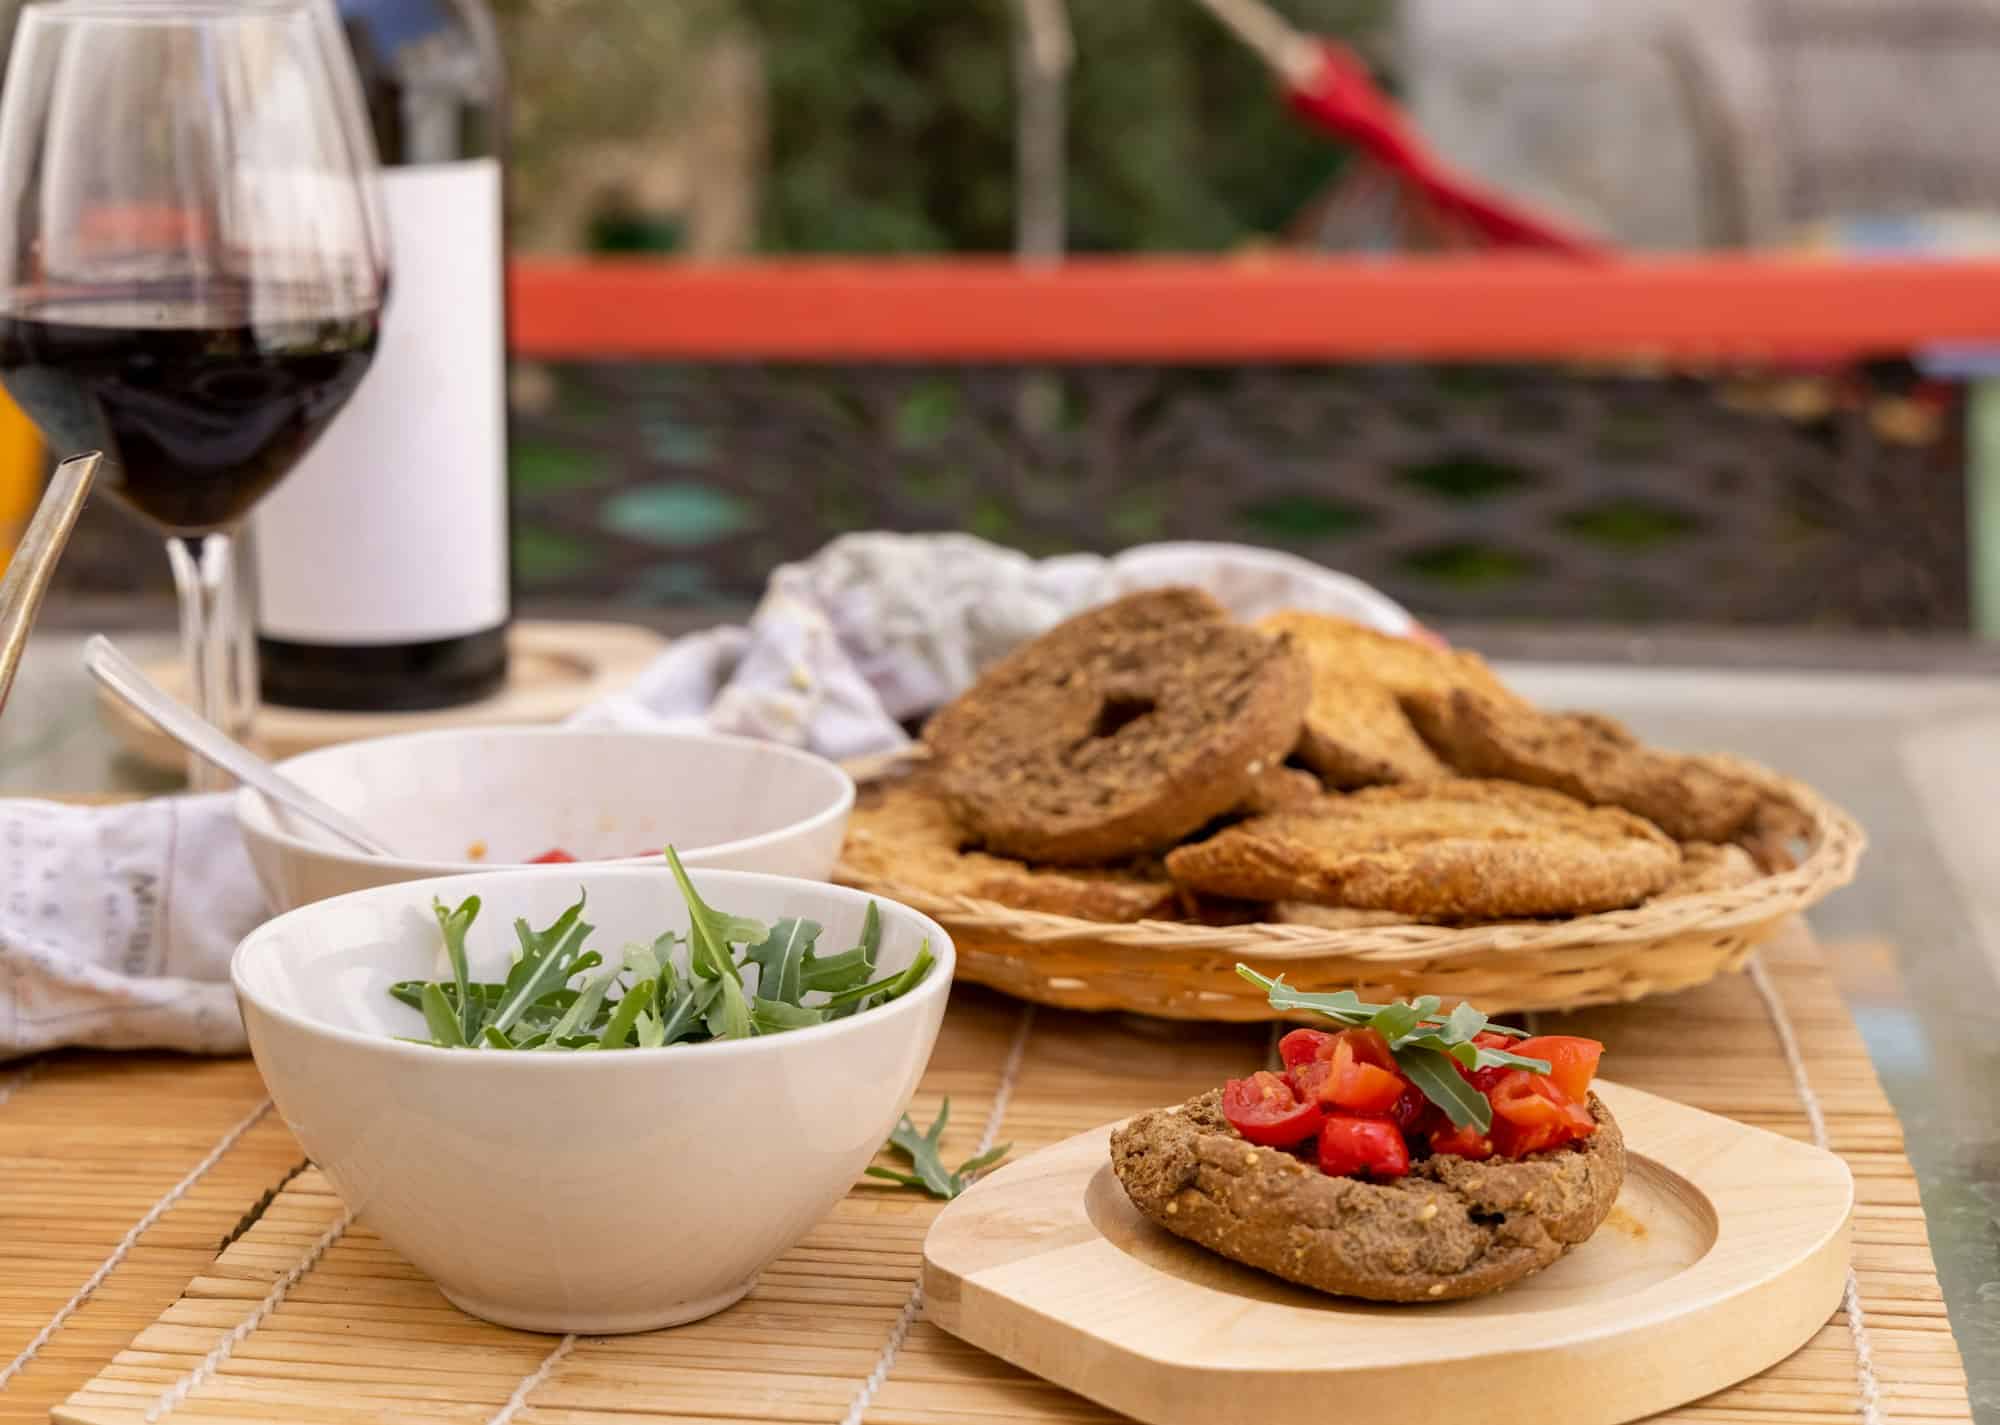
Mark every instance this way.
x=1457 y=850
x=903 y=832
x=1586 y=756
x=1092 y=746
x=1356 y=733
x=1452 y=1229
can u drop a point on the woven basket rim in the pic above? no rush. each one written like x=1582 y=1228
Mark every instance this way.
x=1834 y=839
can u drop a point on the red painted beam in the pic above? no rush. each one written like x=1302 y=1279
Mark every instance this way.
x=1249 y=309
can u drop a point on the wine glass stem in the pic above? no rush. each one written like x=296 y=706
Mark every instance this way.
x=214 y=627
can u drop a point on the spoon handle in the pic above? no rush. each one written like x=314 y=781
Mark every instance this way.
x=125 y=679
x=34 y=561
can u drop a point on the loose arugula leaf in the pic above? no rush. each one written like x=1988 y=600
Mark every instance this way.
x=770 y=1016
x=711 y=933
x=689 y=1008
x=443 y=1022
x=834 y=973
x=583 y=1009
x=1434 y=1073
x=453 y=924
x=545 y=973
x=890 y=986
x=728 y=1015
x=780 y=960
x=625 y=1016
x=922 y=1151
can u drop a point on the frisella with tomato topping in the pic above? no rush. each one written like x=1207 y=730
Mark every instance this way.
x=1399 y=1153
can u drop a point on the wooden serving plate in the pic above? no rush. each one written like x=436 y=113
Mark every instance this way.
x=553 y=670
x=1727 y=1250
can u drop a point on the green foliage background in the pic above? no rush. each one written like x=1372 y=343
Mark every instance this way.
x=891 y=122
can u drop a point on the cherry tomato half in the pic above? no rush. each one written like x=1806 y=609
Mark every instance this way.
x=1467 y=1142
x=1265 y=1111
x=1302 y=1046
x=1572 y=1061
x=1531 y=1114
x=1364 y=1079
x=1357 y=1147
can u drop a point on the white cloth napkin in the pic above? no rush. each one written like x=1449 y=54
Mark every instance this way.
x=116 y=923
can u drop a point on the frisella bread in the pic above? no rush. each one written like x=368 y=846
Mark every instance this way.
x=1102 y=742
x=1358 y=1170
x=1457 y=850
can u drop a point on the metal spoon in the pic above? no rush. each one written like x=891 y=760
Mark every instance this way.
x=34 y=561
x=124 y=678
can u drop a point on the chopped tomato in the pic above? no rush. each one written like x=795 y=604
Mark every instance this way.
x=1302 y=1046
x=1531 y=1114
x=1364 y=1078
x=1572 y=1061
x=1467 y=1142
x=556 y=857
x=1487 y=1039
x=1264 y=1110
x=1411 y=1109
x=1309 y=1080
x=1356 y=1147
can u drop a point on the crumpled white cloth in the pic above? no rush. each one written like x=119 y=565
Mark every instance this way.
x=117 y=923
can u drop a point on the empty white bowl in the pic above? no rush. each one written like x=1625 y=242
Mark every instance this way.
x=475 y=799
x=589 y=1192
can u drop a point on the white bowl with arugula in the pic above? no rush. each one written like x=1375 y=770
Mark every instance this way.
x=594 y=1098
x=480 y=798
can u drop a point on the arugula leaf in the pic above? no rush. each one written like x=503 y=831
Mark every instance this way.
x=651 y=1033
x=583 y=1009
x=689 y=1007
x=890 y=986
x=780 y=960
x=1434 y=1073
x=711 y=933
x=443 y=1022
x=728 y=1016
x=546 y=971
x=771 y=1016
x=626 y=1016
x=453 y=924
x=922 y=1151
x=495 y=1039
x=834 y=973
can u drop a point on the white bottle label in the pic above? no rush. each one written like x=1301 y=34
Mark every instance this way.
x=393 y=529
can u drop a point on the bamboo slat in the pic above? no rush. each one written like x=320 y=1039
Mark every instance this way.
x=833 y=1332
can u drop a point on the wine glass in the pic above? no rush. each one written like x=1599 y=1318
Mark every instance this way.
x=192 y=270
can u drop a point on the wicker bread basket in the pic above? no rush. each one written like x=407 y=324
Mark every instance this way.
x=1187 y=971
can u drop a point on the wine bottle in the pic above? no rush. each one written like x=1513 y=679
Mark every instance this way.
x=381 y=561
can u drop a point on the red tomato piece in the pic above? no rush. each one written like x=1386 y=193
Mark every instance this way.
x=1265 y=1111
x=1302 y=1046
x=1411 y=1109
x=1487 y=1039
x=1467 y=1142
x=556 y=857
x=1572 y=1060
x=1360 y=1083
x=1309 y=1080
x=1362 y=1147
x=1532 y=1114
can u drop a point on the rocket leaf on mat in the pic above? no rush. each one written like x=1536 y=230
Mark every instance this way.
x=922 y=1151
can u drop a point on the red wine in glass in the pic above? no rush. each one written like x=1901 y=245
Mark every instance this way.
x=200 y=405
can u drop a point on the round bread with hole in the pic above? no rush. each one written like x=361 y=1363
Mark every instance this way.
x=1098 y=743
x=1453 y=1228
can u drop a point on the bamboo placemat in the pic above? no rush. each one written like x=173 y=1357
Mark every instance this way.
x=302 y=1320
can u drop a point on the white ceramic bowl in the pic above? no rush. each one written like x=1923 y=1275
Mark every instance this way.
x=726 y=802
x=589 y=1192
